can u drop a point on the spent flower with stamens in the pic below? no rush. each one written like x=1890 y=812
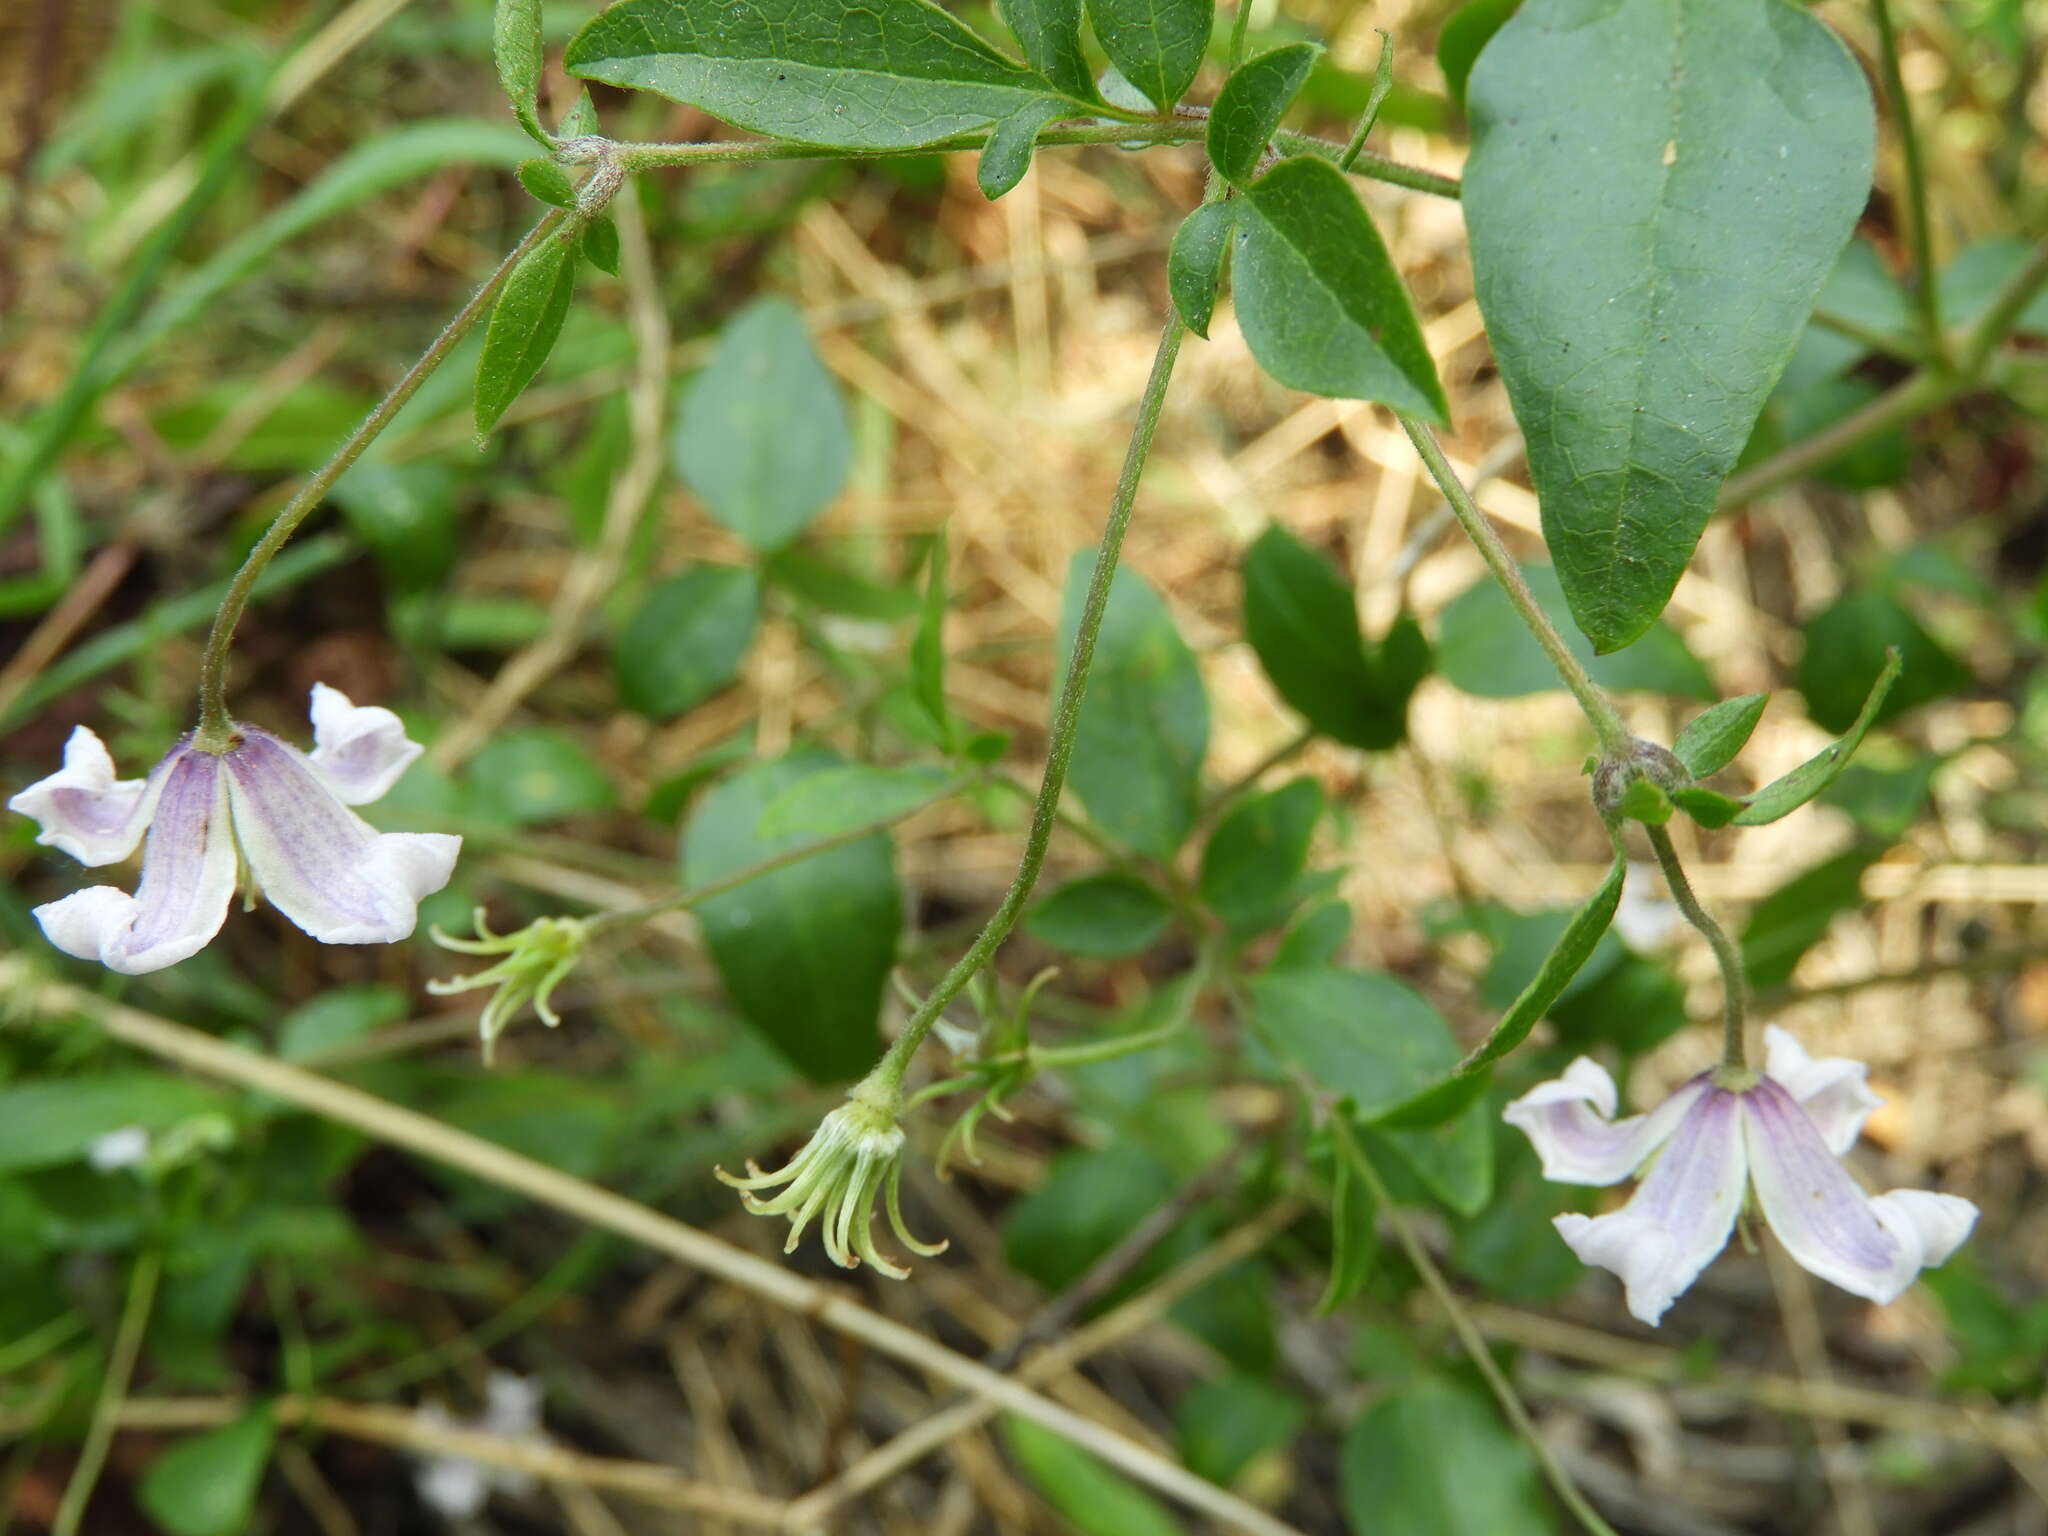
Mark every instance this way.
x=537 y=959
x=854 y=1157
x=1779 y=1134
x=254 y=804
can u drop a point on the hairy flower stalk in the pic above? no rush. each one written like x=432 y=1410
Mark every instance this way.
x=854 y=1156
x=251 y=807
x=538 y=958
x=1726 y=1135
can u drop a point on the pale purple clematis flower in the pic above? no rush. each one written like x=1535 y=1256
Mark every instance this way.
x=262 y=805
x=1783 y=1136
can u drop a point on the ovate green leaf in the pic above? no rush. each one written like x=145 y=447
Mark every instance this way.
x=1356 y=1034
x=1320 y=303
x=1050 y=34
x=1626 y=155
x=1841 y=640
x=1007 y=154
x=1144 y=725
x=1249 y=107
x=835 y=801
x=762 y=437
x=1103 y=916
x=805 y=950
x=850 y=74
x=1483 y=647
x=686 y=640
x=1194 y=265
x=1256 y=853
x=523 y=326
x=1157 y=45
x=206 y=1485
x=1434 y=1459
x=1302 y=622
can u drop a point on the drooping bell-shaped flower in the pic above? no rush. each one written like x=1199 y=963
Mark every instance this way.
x=1782 y=1136
x=262 y=806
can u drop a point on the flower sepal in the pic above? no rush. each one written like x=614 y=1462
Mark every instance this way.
x=854 y=1158
x=537 y=959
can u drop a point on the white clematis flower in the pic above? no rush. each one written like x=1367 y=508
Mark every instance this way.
x=262 y=804
x=1783 y=1136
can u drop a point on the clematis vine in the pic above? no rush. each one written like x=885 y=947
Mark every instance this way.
x=1780 y=1134
x=259 y=807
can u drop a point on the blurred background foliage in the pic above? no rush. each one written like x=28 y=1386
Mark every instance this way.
x=229 y=223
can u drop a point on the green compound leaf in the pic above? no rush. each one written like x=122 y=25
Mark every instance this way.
x=1320 y=303
x=1256 y=853
x=1711 y=738
x=1194 y=266
x=1101 y=916
x=1007 y=154
x=1049 y=31
x=686 y=640
x=206 y=1485
x=1302 y=623
x=1783 y=796
x=1144 y=726
x=845 y=74
x=1249 y=107
x=516 y=43
x=1574 y=947
x=1626 y=155
x=735 y=445
x=523 y=326
x=805 y=950
x=1157 y=45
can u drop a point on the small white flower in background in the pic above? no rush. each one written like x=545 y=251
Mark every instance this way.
x=125 y=1148
x=262 y=804
x=1644 y=922
x=455 y=1486
x=1782 y=1136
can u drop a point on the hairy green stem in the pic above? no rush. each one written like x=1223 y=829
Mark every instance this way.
x=1734 y=985
x=1926 y=294
x=215 y=727
x=1173 y=130
x=106 y=1411
x=1600 y=713
x=888 y=1073
x=1468 y=1333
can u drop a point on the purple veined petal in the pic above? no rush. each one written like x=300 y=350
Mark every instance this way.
x=358 y=751
x=188 y=876
x=1824 y=1220
x=318 y=862
x=1680 y=1217
x=1569 y=1120
x=1933 y=1225
x=84 y=810
x=1832 y=1090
